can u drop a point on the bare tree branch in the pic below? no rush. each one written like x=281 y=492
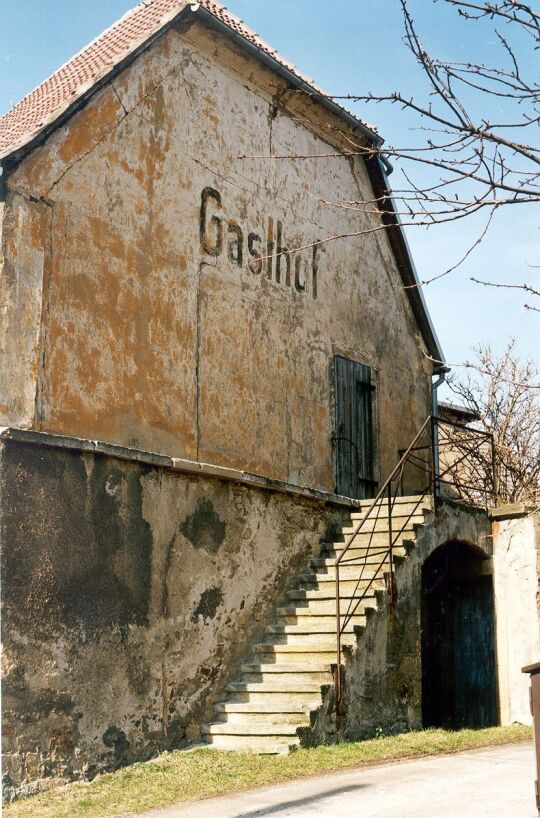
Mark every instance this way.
x=473 y=164
x=485 y=369
x=509 y=411
x=525 y=287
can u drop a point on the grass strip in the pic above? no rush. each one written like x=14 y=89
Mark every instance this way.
x=184 y=776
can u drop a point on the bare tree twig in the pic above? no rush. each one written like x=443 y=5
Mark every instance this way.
x=472 y=163
x=482 y=370
x=525 y=287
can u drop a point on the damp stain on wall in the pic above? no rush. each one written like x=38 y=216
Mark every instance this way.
x=204 y=528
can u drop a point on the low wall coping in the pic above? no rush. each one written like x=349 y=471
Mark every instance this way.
x=32 y=437
x=512 y=510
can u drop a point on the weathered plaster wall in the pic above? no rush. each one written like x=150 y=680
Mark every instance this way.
x=383 y=677
x=24 y=229
x=516 y=560
x=157 y=337
x=131 y=593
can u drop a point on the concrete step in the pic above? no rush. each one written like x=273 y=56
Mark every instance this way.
x=276 y=685
x=347 y=590
x=405 y=499
x=370 y=554
x=275 y=717
x=346 y=574
x=375 y=539
x=305 y=649
x=296 y=654
x=283 y=706
x=292 y=677
x=381 y=524
x=399 y=510
x=276 y=698
x=376 y=545
x=302 y=667
x=288 y=672
x=327 y=607
x=325 y=569
x=313 y=615
x=262 y=745
x=350 y=582
x=227 y=728
x=306 y=641
x=311 y=634
x=371 y=558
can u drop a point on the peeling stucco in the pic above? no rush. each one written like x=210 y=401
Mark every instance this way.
x=127 y=326
x=516 y=559
x=204 y=528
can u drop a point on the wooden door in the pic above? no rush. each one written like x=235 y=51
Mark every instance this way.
x=353 y=431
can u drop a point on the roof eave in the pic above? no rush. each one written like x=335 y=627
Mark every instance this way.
x=16 y=154
x=460 y=412
x=400 y=247
x=277 y=67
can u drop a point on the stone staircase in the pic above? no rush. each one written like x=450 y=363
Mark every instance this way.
x=277 y=701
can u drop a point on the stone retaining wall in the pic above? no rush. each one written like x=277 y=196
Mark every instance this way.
x=383 y=677
x=131 y=593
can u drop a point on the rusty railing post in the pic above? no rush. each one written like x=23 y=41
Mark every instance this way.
x=391 y=588
x=338 y=655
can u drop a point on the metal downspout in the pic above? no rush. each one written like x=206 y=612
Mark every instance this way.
x=442 y=372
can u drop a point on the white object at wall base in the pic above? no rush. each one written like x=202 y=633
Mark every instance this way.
x=515 y=585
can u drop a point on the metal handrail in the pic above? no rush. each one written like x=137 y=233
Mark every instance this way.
x=386 y=496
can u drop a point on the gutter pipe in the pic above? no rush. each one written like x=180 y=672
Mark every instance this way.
x=441 y=371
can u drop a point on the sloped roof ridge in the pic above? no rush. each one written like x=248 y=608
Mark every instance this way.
x=49 y=100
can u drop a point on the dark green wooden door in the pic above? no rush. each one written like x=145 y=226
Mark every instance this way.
x=353 y=435
x=459 y=674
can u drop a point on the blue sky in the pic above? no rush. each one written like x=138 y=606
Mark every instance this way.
x=347 y=46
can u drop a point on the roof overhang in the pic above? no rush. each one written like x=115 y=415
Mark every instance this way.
x=459 y=413
x=402 y=254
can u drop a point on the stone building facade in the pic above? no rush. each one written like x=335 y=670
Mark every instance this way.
x=147 y=298
x=198 y=380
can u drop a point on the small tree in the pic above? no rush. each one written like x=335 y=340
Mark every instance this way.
x=500 y=394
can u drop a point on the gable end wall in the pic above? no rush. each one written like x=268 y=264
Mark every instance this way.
x=136 y=330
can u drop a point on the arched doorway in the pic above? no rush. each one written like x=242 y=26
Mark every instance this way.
x=459 y=677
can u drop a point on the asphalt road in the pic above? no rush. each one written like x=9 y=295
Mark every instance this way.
x=490 y=783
